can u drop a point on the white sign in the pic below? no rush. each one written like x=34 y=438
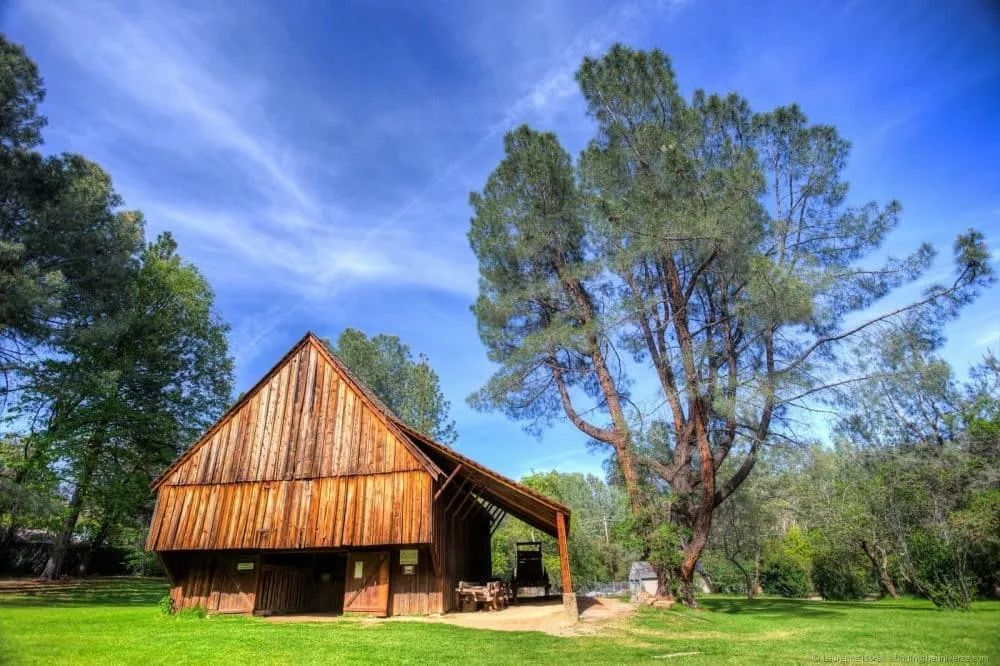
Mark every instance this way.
x=244 y=566
x=359 y=569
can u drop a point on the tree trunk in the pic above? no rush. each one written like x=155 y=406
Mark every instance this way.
x=687 y=590
x=60 y=549
x=756 y=589
x=664 y=582
x=706 y=508
x=748 y=578
x=880 y=562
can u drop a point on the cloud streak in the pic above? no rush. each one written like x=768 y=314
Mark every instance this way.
x=167 y=66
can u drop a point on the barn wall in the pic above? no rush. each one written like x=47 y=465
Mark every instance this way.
x=212 y=581
x=304 y=421
x=332 y=512
x=417 y=594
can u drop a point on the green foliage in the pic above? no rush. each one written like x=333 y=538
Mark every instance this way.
x=697 y=246
x=795 y=545
x=113 y=343
x=166 y=604
x=784 y=575
x=141 y=562
x=726 y=577
x=409 y=387
x=938 y=570
x=840 y=578
x=598 y=545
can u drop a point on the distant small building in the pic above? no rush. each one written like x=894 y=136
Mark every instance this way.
x=642 y=577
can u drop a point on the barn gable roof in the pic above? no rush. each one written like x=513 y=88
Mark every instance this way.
x=246 y=423
x=434 y=457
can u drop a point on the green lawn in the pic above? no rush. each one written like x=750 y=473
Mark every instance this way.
x=119 y=622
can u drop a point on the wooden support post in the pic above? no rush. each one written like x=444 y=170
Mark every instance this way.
x=569 y=597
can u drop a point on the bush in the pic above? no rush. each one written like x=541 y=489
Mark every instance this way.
x=782 y=574
x=939 y=570
x=725 y=577
x=836 y=577
x=166 y=604
x=143 y=563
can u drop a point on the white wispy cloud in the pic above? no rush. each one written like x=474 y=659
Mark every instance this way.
x=167 y=65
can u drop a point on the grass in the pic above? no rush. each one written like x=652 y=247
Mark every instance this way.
x=118 y=622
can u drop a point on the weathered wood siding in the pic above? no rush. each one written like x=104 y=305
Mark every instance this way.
x=212 y=581
x=334 y=512
x=305 y=420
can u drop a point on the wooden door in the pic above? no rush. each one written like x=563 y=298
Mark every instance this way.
x=235 y=584
x=367 y=587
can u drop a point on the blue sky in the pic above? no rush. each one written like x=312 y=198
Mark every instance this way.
x=315 y=160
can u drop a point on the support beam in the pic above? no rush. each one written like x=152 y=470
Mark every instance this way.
x=458 y=493
x=458 y=468
x=496 y=523
x=569 y=597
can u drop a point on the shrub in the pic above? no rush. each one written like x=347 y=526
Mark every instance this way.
x=939 y=571
x=836 y=576
x=782 y=574
x=143 y=563
x=725 y=577
x=166 y=604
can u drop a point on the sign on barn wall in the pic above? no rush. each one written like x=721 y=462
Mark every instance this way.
x=408 y=556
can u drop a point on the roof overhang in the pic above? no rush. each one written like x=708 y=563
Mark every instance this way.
x=515 y=498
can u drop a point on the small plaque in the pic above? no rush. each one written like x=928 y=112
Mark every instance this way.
x=408 y=556
x=409 y=570
x=244 y=566
x=359 y=569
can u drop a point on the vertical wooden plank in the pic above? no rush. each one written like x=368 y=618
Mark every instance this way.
x=305 y=448
x=329 y=421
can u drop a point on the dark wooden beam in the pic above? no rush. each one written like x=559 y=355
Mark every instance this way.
x=496 y=524
x=444 y=485
x=458 y=492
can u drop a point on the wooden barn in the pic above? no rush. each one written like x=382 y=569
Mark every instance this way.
x=310 y=495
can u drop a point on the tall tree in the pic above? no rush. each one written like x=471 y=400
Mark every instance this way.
x=409 y=387
x=65 y=245
x=66 y=248
x=698 y=239
x=132 y=390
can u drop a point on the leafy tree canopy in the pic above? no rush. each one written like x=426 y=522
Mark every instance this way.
x=696 y=243
x=408 y=386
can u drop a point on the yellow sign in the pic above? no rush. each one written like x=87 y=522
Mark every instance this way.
x=408 y=556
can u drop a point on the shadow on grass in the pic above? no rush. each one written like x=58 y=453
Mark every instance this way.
x=771 y=607
x=102 y=592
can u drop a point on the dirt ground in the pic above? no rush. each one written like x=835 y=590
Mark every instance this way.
x=545 y=616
